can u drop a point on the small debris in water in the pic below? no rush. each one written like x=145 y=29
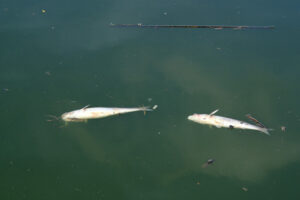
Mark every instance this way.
x=48 y=73
x=283 y=128
x=208 y=162
x=154 y=107
x=149 y=99
x=165 y=13
x=43 y=11
x=245 y=189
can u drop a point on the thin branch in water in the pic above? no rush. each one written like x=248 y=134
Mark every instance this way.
x=215 y=27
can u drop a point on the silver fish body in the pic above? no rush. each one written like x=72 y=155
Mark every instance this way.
x=224 y=122
x=97 y=112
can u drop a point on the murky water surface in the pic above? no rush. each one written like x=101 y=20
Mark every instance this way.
x=57 y=56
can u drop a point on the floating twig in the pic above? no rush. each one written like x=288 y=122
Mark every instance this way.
x=216 y=27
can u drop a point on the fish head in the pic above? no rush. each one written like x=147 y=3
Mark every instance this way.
x=68 y=116
x=73 y=116
x=199 y=118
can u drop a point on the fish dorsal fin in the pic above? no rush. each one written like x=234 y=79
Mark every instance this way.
x=256 y=121
x=85 y=107
x=214 y=112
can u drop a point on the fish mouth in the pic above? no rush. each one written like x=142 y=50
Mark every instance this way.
x=190 y=117
x=65 y=117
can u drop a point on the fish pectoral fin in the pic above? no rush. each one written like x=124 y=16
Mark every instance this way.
x=77 y=120
x=64 y=125
x=144 y=111
x=214 y=112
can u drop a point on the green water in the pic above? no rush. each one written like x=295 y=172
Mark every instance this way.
x=67 y=57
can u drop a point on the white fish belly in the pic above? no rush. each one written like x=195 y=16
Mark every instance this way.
x=94 y=113
x=233 y=123
x=99 y=112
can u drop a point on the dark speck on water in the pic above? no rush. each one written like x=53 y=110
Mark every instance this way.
x=208 y=162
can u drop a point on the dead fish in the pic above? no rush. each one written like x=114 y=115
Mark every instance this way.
x=87 y=113
x=219 y=121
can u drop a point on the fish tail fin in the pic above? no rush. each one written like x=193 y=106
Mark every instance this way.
x=148 y=108
x=265 y=130
x=145 y=109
